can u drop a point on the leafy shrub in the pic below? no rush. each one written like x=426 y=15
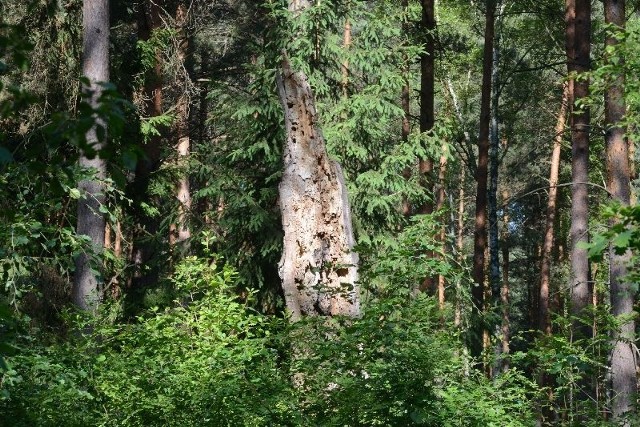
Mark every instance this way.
x=211 y=360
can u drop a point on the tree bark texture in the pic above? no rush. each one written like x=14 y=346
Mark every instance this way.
x=318 y=266
x=623 y=364
x=405 y=100
x=91 y=223
x=545 y=270
x=480 y=232
x=579 y=34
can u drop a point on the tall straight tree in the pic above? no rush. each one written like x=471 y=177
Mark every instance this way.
x=143 y=252
x=480 y=231
x=91 y=222
x=623 y=366
x=545 y=270
x=427 y=92
x=578 y=14
x=318 y=268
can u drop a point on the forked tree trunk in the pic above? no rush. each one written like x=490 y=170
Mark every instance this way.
x=318 y=266
x=480 y=233
x=547 y=247
x=91 y=223
x=623 y=365
x=579 y=43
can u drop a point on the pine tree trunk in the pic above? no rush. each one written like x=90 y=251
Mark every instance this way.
x=579 y=17
x=480 y=233
x=545 y=271
x=442 y=175
x=492 y=197
x=504 y=294
x=427 y=90
x=623 y=365
x=91 y=223
x=460 y=242
x=318 y=266
x=405 y=100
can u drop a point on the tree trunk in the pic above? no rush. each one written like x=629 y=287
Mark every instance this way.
x=442 y=175
x=579 y=18
x=545 y=275
x=143 y=250
x=492 y=197
x=427 y=90
x=318 y=266
x=91 y=223
x=346 y=44
x=405 y=101
x=480 y=232
x=460 y=241
x=623 y=366
x=504 y=295
x=179 y=231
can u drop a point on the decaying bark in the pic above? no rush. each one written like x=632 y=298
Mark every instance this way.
x=318 y=267
x=179 y=231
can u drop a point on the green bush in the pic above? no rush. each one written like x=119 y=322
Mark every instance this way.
x=210 y=360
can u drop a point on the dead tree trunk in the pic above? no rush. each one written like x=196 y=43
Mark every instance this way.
x=179 y=231
x=318 y=266
x=91 y=223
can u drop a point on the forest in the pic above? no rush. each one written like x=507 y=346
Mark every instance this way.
x=319 y=213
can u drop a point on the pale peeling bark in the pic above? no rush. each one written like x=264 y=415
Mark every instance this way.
x=318 y=266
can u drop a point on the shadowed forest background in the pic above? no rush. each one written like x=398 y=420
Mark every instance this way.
x=319 y=212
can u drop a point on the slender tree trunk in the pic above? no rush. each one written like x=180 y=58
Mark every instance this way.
x=623 y=365
x=442 y=175
x=144 y=250
x=318 y=267
x=427 y=90
x=504 y=295
x=406 y=104
x=545 y=275
x=91 y=223
x=460 y=241
x=179 y=231
x=346 y=43
x=579 y=24
x=480 y=233
x=492 y=197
